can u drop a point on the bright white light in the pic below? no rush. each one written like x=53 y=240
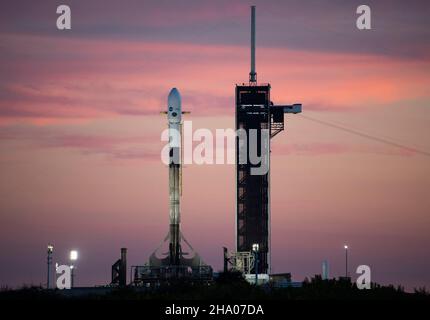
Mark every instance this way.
x=255 y=247
x=346 y=247
x=73 y=255
x=50 y=248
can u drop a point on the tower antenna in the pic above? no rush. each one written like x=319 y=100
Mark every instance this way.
x=252 y=74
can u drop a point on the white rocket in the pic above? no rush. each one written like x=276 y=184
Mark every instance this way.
x=176 y=257
x=174 y=117
x=177 y=261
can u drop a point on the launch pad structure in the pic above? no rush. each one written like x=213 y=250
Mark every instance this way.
x=255 y=112
x=258 y=117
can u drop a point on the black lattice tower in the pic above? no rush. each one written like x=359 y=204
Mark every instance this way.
x=255 y=112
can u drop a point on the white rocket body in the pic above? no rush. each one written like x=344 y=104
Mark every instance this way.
x=174 y=116
x=176 y=263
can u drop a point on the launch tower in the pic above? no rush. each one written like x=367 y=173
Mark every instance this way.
x=255 y=112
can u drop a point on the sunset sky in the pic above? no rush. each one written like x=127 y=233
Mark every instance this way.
x=80 y=129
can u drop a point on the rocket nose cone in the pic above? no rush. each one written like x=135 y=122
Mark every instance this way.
x=174 y=99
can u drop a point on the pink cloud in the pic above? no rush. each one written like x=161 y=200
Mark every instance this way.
x=113 y=147
x=318 y=149
x=73 y=78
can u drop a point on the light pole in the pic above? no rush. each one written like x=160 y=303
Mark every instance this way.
x=346 y=260
x=255 y=249
x=73 y=257
x=49 y=262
